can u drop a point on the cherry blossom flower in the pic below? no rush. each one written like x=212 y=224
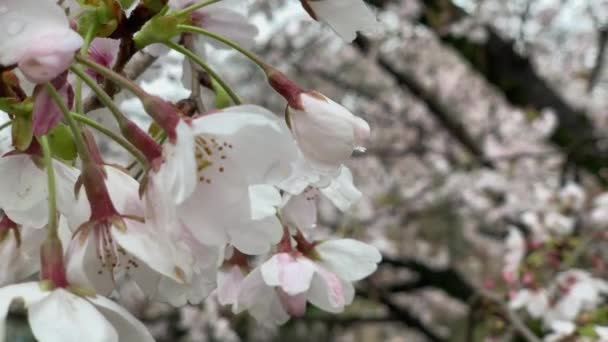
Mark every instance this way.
x=346 y=17
x=59 y=315
x=515 y=252
x=577 y=290
x=229 y=147
x=536 y=302
x=38 y=38
x=109 y=245
x=560 y=331
x=572 y=197
x=599 y=215
x=324 y=280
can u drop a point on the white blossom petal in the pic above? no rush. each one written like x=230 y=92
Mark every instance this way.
x=346 y=17
x=65 y=317
x=127 y=326
x=300 y=211
x=265 y=199
x=349 y=259
x=341 y=191
x=261 y=300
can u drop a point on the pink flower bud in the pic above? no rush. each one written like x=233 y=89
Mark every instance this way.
x=326 y=132
x=164 y=113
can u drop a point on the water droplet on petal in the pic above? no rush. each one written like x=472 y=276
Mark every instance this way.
x=15 y=27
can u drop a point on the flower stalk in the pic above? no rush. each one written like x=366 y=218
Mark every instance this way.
x=115 y=137
x=52 y=190
x=277 y=79
x=196 y=59
x=51 y=251
x=88 y=39
x=195 y=7
x=76 y=132
x=138 y=140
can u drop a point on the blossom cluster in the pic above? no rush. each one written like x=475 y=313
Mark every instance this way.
x=220 y=200
x=551 y=270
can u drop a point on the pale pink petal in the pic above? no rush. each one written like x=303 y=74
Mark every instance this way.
x=328 y=292
x=261 y=300
x=84 y=267
x=104 y=52
x=49 y=55
x=294 y=305
x=23 y=22
x=229 y=281
x=292 y=275
x=349 y=259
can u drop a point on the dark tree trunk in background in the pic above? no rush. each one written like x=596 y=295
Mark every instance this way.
x=514 y=75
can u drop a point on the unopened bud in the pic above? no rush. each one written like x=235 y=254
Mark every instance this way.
x=164 y=113
x=140 y=139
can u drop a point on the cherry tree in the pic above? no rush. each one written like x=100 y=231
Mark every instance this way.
x=242 y=170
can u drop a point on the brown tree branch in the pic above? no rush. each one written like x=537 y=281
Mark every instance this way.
x=602 y=44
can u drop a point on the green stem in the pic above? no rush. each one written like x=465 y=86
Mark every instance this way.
x=194 y=7
x=113 y=108
x=84 y=50
x=196 y=59
x=253 y=57
x=80 y=144
x=117 y=138
x=112 y=75
x=101 y=95
x=50 y=174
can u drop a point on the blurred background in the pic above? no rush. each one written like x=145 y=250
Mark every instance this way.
x=481 y=111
